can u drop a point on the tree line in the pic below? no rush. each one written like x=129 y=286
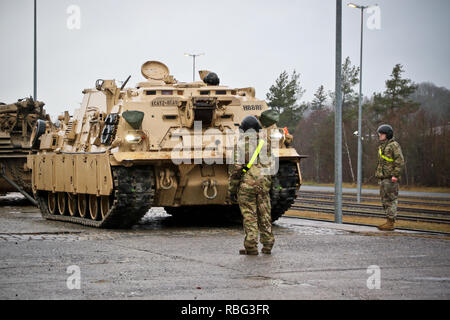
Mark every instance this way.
x=419 y=114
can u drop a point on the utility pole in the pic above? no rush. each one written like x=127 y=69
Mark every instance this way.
x=359 y=174
x=338 y=119
x=35 y=54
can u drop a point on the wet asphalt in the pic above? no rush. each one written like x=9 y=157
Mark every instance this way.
x=165 y=258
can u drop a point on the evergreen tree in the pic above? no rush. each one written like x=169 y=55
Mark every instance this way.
x=395 y=100
x=283 y=97
x=319 y=100
x=350 y=78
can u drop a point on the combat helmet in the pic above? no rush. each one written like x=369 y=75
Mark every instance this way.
x=212 y=79
x=250 y=122
x=269 y=117
x=386 y=129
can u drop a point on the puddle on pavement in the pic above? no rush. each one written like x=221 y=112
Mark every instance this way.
x=307 y=230
x=155 y=219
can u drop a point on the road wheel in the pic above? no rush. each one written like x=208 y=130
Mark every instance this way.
x=51 y=203
x=72 y=204
x=105 y=205
x=93 y=207
x=62 y=203
x=82 y=205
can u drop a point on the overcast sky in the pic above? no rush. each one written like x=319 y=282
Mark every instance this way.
x=246 y=42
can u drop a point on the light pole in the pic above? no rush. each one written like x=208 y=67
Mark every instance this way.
x=338 y=119
x=193 y=67
x=35 y=54
x=359 y=175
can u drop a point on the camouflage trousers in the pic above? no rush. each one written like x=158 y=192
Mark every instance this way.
x=255 y=208
x=389 y=197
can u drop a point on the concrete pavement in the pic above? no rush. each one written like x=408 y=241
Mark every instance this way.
x=162 y=258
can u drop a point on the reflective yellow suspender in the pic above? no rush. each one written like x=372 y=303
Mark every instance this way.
x=254 y=156
x=383 y=156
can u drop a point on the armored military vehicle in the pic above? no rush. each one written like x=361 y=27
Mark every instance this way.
x=17 y=121
x=161 y=143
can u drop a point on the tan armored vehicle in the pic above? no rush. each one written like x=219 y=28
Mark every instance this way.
x=162 y=144
x=17 y=121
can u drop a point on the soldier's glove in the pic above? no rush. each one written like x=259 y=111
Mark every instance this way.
x=233 y=197
x=288 y=140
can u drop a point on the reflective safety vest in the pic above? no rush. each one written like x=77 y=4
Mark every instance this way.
x=383 y=156
x=254 y=156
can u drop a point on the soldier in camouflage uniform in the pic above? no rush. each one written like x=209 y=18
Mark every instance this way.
x=250 y=186
x=389 y=168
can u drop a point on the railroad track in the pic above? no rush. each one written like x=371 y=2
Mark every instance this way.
x=371 y=225
x=323 y=202
x=374 y=199
x=376 y=195
x=431 y=212
x=412 y=200
x=330 y=210
x=414 y=218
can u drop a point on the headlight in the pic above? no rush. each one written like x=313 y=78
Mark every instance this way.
x=132 y=138
x=276 y=135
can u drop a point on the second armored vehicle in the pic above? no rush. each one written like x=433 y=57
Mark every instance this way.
x=17 y=121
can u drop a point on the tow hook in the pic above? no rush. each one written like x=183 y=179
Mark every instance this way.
x=166 y=179
x=209 y=184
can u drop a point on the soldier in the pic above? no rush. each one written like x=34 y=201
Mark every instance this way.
x=250 y=186
x=389 y=167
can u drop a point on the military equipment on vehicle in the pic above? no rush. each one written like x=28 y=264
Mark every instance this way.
x=126 y=150
x=17 y=121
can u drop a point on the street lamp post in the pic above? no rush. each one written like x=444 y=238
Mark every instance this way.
x=338 y=119
x=359 y=174
x=35 y=54
x=193 y=60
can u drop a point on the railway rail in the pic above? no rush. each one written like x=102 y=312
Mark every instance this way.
x=379 y=214
x=372 y=207
x=432 y=232
x=407 y=200
x=323 y=202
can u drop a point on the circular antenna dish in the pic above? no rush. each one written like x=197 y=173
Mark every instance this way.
x=154 y=70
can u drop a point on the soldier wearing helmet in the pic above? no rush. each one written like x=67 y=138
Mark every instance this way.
x=211 y=79
x=389 y=168
x=250 y=185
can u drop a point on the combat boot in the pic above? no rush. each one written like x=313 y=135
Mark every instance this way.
x=388 y=226
x=251 y=252
x=266 y=250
